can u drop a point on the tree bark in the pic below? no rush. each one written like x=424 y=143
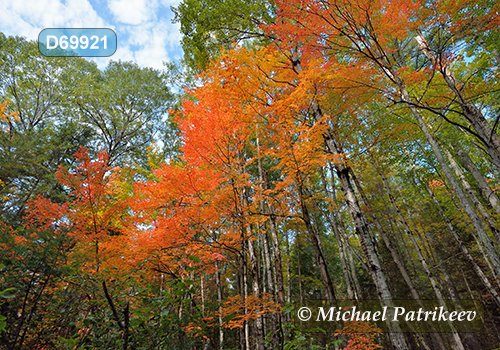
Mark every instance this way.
x=219 y=299
x=395 y=256
x=480 y=179
x=259 y=332
x=437 y=291
x=375 y=270
x=464 y=202
x=316 y=243
x=468 y=189
x=483 y=129
x=340 y=244
x=299 y=270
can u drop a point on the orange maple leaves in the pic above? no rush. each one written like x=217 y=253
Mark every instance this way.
x=361 y=335
x=96 y=218
x=3 y=111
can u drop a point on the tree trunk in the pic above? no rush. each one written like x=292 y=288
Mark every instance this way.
x=259 y=332
x=483 y=129
x=348 y=250
x=340 y=244
x=464 y=203
x=357 y=287
x=318 y=250
x=288 y=271
x=244 y=331
x=395 y=256
x=219 y=299
x=479 y=272
x=375 y=269
x=470 y=339
x=481 y=181
x=484 y=214
x=299 y=270
x=437 y=291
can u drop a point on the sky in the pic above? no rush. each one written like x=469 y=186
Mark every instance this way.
x=144 y=28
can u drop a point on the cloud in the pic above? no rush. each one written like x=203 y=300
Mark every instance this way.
x=123 y=53
x=151 y=43
x=28 y=18
x=144 y=29
x=154 y=50
x=132 y=11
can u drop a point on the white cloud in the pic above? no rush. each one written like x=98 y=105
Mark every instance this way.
x=174 y=35
x=133 y=11
x=154 y=51
x=123 y=53
x=28 y=18
x=154 y=43
x=144 y=29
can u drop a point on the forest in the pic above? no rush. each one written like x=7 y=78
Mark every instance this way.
x=302 y=150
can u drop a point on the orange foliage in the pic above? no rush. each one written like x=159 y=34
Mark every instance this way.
x=436 y=183
x=361 y=335
x=3 y=111
x=96 y=218
x=181 y=215
x=236 y=311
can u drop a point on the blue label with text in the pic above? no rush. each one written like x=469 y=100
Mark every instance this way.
x=83 y=42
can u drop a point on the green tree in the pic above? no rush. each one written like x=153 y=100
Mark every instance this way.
x=126 y=105
x=43 y=134
x=209 y=26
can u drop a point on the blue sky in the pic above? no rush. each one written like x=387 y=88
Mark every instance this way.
x=144 y=28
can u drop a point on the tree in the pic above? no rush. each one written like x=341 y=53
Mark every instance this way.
x=42 y=135
x=126 y=104
x=209 y=26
